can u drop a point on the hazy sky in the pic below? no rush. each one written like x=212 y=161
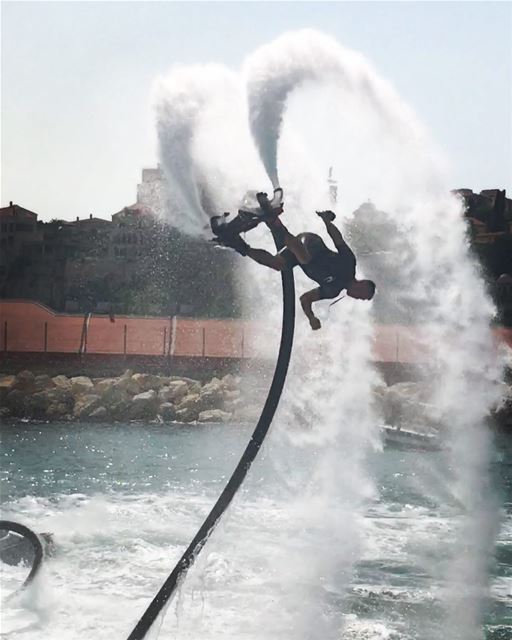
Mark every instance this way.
x=76 y=79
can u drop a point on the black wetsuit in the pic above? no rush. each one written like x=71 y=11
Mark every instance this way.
x=333 y=270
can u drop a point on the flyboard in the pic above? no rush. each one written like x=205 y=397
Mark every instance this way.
x=247 y=218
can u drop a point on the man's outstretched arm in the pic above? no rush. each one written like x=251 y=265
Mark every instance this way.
x=306 y=300
x=332 y=229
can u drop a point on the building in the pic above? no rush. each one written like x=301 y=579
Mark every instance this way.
x=19 y=233
x=135 y=262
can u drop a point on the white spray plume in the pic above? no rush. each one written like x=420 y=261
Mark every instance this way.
x=277 y=69
x=182 y=99
x=389 y=153
x=384 y=152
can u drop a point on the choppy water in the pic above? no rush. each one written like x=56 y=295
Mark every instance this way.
x=124 y=500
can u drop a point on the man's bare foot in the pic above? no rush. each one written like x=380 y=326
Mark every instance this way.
x=315 y=323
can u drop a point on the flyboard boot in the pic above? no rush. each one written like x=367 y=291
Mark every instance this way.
x=227 y=234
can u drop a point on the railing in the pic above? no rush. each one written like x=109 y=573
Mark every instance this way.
x=27 y=326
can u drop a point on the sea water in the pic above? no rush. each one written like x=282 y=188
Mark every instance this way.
x=123 y=501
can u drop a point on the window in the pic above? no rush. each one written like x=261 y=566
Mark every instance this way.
x=10 y=240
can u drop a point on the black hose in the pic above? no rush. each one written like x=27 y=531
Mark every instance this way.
x=250 y=453
x=35 y=541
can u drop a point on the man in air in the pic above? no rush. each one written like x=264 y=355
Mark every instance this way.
x=332 y=270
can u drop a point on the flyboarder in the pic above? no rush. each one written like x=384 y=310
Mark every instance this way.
x=334 y=271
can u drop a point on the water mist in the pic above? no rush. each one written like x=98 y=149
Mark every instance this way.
x=372 y=132
x=311 y=104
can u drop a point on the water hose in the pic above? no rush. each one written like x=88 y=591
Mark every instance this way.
x=276 y=388
x=35 y=541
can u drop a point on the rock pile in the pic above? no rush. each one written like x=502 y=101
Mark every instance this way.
x=132 y=396
x=144 y=396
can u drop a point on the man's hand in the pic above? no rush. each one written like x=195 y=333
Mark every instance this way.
x=327 y=216
x=315 y=323
x=306 y=301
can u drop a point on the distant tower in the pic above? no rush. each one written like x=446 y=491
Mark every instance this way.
x=333 y=188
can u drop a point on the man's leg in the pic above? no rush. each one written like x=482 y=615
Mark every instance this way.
x=260 y=256
x=266 y=259
x=291 y=242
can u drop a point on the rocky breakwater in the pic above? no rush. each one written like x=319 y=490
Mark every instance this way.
x=132 y=396
x=147 y=397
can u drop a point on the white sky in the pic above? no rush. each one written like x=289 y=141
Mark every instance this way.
x=76 y=80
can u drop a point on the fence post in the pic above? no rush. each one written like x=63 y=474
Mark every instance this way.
x=124 y=338
x=165 y=340
x=397 y=354
x=243 y=342
x=204 y=341
x=5 y=335
x=45 y=337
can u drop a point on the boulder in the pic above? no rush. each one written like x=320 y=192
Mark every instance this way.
x=37 y=404
x=189 y=381
x=103 y=385
x=143 y=406
x=186 y=415
x=232 y=405
x=7 y=383
x=230 y=381
x=62 y=396
x=214 y=415
x=81 y=385
x=16 y=401
x=194 y=387
x=147 y=381
x=167 y=411
x=230 y=395
x=113 y=395
x=5 y=412
x=24 y=381
x=62 y=382
x=100 y=413
x=43 y=382
x=211 y=399
x=178 y=389
x=6 y=386
x=119 y=410
x=165 y=394
x=85 y=405
x=128 y=384
x=190 y=402
x=56 y=410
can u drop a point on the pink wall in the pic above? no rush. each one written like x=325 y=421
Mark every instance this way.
x=32 y=327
